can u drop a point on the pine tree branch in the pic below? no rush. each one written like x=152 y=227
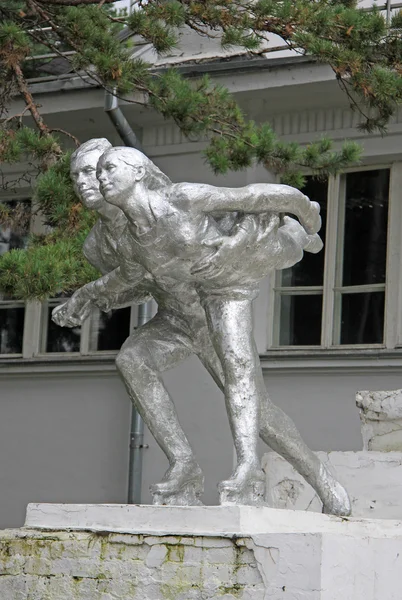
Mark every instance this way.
x=66 y=133
x=28 y=98
x=19 y=117
x=73 y=2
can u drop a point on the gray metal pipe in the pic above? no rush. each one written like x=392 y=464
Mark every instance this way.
x=119 y=121
x=129 y=138
x=389 y=7
x=137 y=431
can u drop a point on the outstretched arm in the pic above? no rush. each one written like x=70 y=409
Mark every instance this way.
x=106 y=293
x=254 y=198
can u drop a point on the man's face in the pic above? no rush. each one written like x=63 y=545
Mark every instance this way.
x=116 y=178
x=86 y=185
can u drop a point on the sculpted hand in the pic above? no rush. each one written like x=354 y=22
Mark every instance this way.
x=105 y=304
x=212 y=263
x=244 y=234
x=312 y=221
x=72 y=313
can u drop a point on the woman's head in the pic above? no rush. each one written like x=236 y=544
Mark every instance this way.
x=119 y=169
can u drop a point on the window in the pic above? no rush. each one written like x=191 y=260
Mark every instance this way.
x=338 y=297
x=55 y=338
x=101 y=332
x=26 y=329
x=12 y=313
x=300 y=289
x=109 y=330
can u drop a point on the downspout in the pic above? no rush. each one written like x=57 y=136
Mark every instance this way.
x=389 y=8
x=137 y=431
x=119 y=121
x=129 y=138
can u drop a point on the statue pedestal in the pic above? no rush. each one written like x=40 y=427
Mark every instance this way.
x=373 y=481
x=94 y=552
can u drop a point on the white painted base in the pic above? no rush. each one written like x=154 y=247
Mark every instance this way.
x=223 y=521
x=292 y=555
x=373 y=480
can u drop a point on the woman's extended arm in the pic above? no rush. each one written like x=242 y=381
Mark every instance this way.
x=254 y=198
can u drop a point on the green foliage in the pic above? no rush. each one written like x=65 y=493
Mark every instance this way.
x=364 y=53
x=45 y=271
x=54 y=263
x=14 y=43
x=24 y=141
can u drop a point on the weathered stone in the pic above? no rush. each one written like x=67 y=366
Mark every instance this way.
x=373 y=480
x=299 y=556
x=381 y=418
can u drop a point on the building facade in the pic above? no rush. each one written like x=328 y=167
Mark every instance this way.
x=328 y=327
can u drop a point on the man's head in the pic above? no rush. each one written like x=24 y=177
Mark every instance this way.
x=83 y=172
x=120 y=169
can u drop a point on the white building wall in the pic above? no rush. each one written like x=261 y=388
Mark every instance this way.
x=64 y=436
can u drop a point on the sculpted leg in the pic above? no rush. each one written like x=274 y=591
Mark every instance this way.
x=231 y=333
x=154 y=348
x=280 y=433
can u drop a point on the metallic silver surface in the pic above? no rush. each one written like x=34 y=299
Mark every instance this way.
x=201 y=252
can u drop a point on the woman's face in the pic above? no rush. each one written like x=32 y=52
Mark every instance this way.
x=116 y=178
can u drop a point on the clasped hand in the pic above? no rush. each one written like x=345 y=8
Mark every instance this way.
x=72 y=313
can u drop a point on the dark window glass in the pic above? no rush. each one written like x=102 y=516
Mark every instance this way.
x=15 y=235
x=366 y=219
x=111 y=329
x=310 y=270
x=61 y=339
x=300 y=320
x=11 y=330
x=362 y=320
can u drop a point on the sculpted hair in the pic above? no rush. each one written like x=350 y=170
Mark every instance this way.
x=96 y=144
x=154 y=178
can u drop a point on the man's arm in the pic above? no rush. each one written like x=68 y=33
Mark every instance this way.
x=254 y=198
x=91 y=252
x=105 y=293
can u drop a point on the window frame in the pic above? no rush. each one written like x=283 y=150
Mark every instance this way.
x=35 y=314
x=333 y=259
x=85 y=338
x=19 y=195
x=265 y=304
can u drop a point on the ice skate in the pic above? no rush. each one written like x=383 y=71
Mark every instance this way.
x=246 y=486
x=182 y=485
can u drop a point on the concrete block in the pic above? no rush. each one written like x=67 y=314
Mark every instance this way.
x=373 y=480
x=263 y=554
x=381 y=419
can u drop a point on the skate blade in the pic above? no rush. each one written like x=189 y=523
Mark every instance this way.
x=250 y=495
x=188 y=496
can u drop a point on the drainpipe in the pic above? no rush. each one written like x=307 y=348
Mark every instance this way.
x=129 y=138
x=137 y=431
x=119 y=121
x=389 y=8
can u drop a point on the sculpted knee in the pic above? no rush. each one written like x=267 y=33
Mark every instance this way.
x=129 y=360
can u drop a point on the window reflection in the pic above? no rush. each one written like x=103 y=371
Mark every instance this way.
x=310 y=270
x=110 y=330
x=61 y=339
x=11 y=329
x=366 y=222
x=300 y=323
x=362 y=320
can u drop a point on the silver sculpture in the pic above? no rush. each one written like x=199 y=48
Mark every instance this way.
x=201 y=252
